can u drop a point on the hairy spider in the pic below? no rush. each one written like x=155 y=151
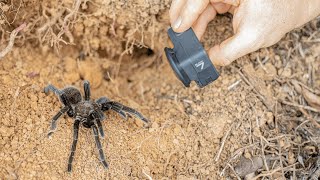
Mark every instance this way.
x=87 y=112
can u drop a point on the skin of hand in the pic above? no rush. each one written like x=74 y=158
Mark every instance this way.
x=256 y=23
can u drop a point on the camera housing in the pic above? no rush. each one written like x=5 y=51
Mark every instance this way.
x=189 y=60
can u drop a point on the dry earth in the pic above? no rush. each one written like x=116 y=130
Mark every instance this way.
x=264 y=107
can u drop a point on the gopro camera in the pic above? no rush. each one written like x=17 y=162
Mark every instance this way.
x=189 y=60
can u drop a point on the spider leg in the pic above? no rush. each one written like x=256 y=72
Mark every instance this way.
x=98 y=117
x=59 y=93
x=52 y=88
x=102 y=100
x=101 y=115
x=74 y=143
x=86 y=86
x=65 y=101
x=53 y=126
x=98 y=143
x=122 y=114
x=100 y=128
x=122 y=109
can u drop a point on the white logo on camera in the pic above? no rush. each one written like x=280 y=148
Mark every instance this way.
x=200 y=64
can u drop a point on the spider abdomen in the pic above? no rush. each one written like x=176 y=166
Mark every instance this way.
x=73 y=95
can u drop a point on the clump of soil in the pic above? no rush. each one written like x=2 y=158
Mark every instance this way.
x=264 y=108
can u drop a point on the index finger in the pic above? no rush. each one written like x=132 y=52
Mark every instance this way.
x=175 y=9
x=189 y=14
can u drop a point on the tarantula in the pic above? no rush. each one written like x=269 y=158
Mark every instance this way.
x=87 y=112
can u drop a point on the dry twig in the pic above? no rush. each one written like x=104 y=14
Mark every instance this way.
x=260 y=96
x=300 y=106
x=234 y=85
x=148 y=176
x=223 y=142
x=312 y=120
x=269 y=173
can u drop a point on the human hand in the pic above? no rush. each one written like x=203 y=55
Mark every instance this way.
x=256 y=23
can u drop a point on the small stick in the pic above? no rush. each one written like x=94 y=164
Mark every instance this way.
x=11 y=40
x=263 y=155
x=301 y=51
x=251 y=85
x=266 y=59
x=262 y=98
x=262 y=66
x=308 y=88
x=312 y=120
x=148 y=176
x=235 y=84
x=223 y=142
x=232 y=169
x=300 y=106
x=280 y=159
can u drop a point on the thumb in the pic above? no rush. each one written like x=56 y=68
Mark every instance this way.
x=234 y=47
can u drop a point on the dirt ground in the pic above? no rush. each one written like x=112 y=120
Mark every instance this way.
x=259 y=120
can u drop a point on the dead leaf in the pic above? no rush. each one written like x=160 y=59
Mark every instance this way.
x=247 y=166
x=296 y=85
x=312 y=99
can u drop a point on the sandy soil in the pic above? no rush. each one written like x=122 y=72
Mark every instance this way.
x=263 y=107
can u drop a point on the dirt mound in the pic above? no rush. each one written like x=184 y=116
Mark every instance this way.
x=95 y=28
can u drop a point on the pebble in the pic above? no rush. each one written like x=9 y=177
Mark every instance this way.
x=155 y=125
x=189 y=155
x=6 y=131
x=270 y=117
x=286 y=72
x=176 y=141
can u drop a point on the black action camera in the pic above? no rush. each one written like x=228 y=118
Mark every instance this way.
x=189 y=60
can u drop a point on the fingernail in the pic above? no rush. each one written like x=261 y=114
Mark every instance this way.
x=177 y=23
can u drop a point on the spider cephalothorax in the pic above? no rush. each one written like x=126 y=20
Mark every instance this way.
x=87 y=112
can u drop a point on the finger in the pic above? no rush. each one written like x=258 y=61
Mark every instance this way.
x=189 y=14
x=231 y=2
x=232 y=10
x=235 y=47
x=221 y=8
x=201 y=24
x=175 y=9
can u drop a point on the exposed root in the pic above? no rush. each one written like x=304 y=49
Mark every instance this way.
x=13 y=35
x=51 y=22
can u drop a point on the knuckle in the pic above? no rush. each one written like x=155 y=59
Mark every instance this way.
x=253 y=38
x=195 y=7
x=226 y=62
